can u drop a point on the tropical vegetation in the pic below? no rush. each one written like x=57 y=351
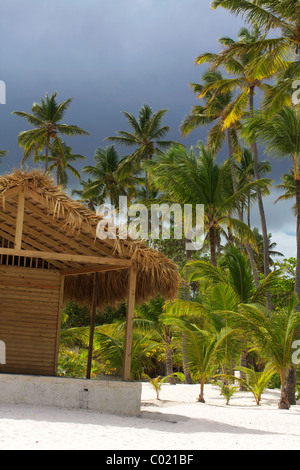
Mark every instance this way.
x=236 y=320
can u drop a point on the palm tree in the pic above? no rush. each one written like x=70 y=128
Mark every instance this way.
x=149 y=316
x=46 y=117
x=288 y=187
x=106 y=181
x=214 y=111
x=109 y=346
x=245 y=174
x=234 y=271
x=281 y=136
x=147 y=134
x=254 y=381
x=195 y=178
x=272 y=249
x=279 y=55
x=245 y=81
x=272 y=335
x=233 y=283
x=205 y=345
x=92 y=199
x=60 y=159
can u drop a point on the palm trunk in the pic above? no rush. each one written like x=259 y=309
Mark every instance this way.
x=213 y=244
x=290 y=385
x=297 y=280
x=240 y=213
x=243 y=363
x=260 y=204
x=185 y=361
x=169 y=355
x=201 y=396
x=147 y=187
x=248 y=214
x=47 y=153
x=283 y=402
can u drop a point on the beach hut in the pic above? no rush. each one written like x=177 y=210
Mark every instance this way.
x=49 y=254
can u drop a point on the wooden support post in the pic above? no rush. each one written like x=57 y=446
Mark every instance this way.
x=60 y=309
x=19 y=221
x=129 y=323
x=92 y=327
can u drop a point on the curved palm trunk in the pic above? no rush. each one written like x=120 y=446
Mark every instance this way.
x=240 y=214
x=297 y=281
x=201 y=396
x=47 y=153
x=290 y=385
x=185 y=361
x=213 y=244
x=169 y=355
x=260 y=203
x=283 y=402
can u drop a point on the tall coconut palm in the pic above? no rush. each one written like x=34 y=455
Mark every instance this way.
x=46 y=117
x=147 y=137
x=60 y=158
x=245 y=174
x=243 y=80
x=273 y=55
x=193 y=177
x=90 y=200
x=106 y=181
x=281 y=136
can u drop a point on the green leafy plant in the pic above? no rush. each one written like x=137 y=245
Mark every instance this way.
x=156 y=383
x=227 y=391
x=253 y=381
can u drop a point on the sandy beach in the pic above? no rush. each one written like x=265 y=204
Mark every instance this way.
x=175 y=422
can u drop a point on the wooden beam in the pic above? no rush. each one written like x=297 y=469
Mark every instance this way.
x=66 y=257
x=8 y=234
x=58 y=326
x=9 y=194
x=92 y=326
x=129 y=323
x=89 y=270
x=19 y=221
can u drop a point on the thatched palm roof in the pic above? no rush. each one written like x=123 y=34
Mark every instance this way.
x=55 y=223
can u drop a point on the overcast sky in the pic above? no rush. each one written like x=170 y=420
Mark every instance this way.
x=114 y=55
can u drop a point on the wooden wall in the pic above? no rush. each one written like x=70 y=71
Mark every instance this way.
x=30 y=308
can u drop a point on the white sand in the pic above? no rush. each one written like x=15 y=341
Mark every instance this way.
x=176 y=422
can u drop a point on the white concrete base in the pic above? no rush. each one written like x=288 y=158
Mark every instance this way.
x=121 y=398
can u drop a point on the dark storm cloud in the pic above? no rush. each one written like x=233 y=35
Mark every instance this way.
x=110 y=55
